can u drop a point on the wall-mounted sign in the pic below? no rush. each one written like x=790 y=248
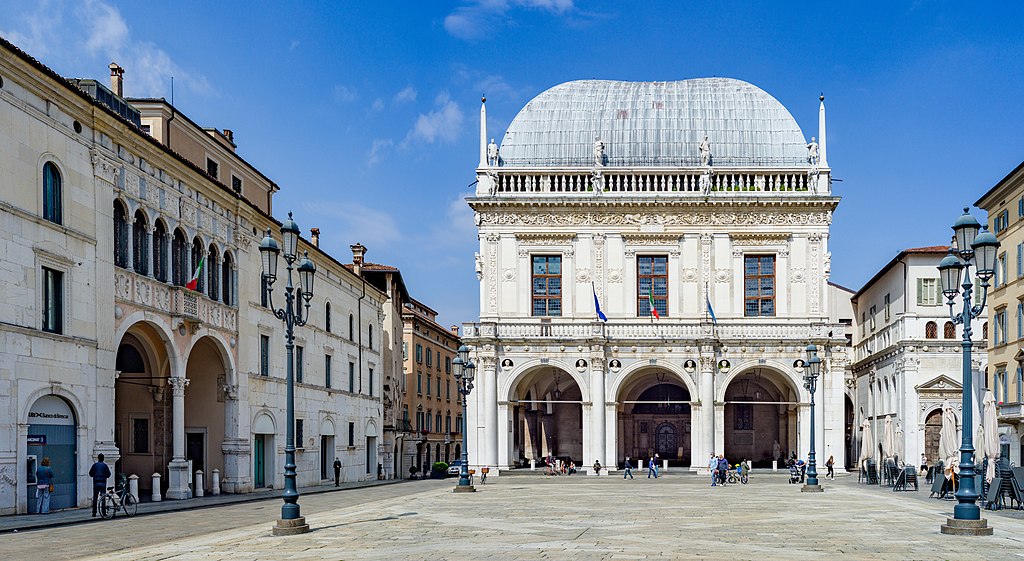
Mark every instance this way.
x=51 y=410
x=36 y=440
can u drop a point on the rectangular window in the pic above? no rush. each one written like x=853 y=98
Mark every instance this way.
x=888 y=308
x=999 y=336
x=430 y=360
x=351 y=376
x=438 y=361
x=419 y=353
x=447 y=365
x=1020 y=260
x=1020 y=384
x=53 y=301
x=419 y=383
x=744 y=417
x=438 y=387
x=928 y=292
x=1005 y=388
x=140 y=436
x=371 y=381
x=863 y=323
x=1020 y=320
x=758 y=285
x=212 y=168
x=327 y=371
x=264 y=355
x=405 y=350
x=651 y=284
x=264 y=296
x=448 y=389
x=299 y=435
x=351 y=435
x=1001 y=270
x=546 y=277
x=298 y=364
x=428 y=385
x=419 y=421
x=236 y=184
x=1020 y=207
x=871 y=317
x=458 y=424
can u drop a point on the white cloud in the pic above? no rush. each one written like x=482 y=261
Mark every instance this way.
x=475 y=20
x=37 y=31
x=343 y=223
x=107 y=30
x=441 y=124
x=406 y=95
x=345 y=94
x=378 y=105
x=378 y=150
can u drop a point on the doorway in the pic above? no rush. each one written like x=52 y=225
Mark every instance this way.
x=195 y=454
x=326 y=457
x=52 y=434
x=259 y=466
x=667 y=443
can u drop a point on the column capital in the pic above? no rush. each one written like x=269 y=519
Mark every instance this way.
x=178 y=384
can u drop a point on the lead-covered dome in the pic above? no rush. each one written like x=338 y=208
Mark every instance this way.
x=654 y=124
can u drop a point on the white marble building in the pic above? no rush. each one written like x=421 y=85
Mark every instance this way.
x=907 y=357
x=104 y=350
x=700 y=191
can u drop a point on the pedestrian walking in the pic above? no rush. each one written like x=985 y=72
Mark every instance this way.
x=652 y=468
x=44 y=486
x=628 y=469
x=597 y=467
x=99 y=472
x=337 y=471
x=830 y=465
x=713 y=468
x=723 y=469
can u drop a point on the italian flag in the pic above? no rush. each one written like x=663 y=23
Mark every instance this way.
x=194 y=282
x=650 y=300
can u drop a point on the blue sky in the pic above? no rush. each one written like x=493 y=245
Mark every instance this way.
x=366 y=112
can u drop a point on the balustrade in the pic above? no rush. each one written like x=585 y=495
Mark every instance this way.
x=174 y=301
x=653 y=181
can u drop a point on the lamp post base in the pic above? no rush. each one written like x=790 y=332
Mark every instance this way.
x=291 y=527
x=464 y=489
x=812 y=489
x=956 y=527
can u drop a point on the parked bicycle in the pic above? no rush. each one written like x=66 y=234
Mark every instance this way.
x=739 y=475
x=118 y=499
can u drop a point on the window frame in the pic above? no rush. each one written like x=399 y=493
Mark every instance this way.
x=53 y=298
x=299 y=360
x=547 y=298
x=327 y=370
x=264 y=355
x=747 y=277
x=52 y=193
x=660 y=301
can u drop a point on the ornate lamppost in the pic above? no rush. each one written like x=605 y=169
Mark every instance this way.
x=464 y=369
x=812 y=368
x=293 y=316
x=979 y=250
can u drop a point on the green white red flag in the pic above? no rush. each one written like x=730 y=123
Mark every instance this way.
x=193 y=284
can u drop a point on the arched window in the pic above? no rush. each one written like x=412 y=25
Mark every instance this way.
x=197 y=255
x=52 y=194
x=437 y=422
x=984 y=330
x=179 y=258
x=949 y=330
x=351 y=328
x=327 y=317
x=369 y=338
x=120 y=234
x=931 y=330
x=211 y=269
x=227 y=283
x=160 y=251
x=140 y=245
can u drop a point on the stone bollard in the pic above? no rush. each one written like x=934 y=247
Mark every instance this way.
x=215 y=487
x=133 y=486
x=664 y=465
x=199 y=483
x=533 y=464
x=775 y=465
x=156 y=488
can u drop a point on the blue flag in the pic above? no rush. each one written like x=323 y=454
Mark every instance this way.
x=711 y=311
x=597 y=305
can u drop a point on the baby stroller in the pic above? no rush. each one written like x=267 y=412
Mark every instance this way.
x=794 y=473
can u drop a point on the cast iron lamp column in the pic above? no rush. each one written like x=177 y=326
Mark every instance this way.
x=293 y=316
x=811 y=370
x=981 y=249
x=464 y=369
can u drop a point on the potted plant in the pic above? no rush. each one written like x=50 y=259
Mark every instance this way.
x=439 y=470
x=412 y=471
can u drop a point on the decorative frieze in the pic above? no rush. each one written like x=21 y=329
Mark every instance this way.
x=691 y=218
x=545 y=238
x=651 y=239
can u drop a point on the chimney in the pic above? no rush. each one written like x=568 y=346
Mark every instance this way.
x=314 y=233
x=117 y=79
x=455 y=330
x=358 y=251
x=230 y=135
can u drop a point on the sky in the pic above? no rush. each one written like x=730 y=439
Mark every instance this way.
x=366 y=113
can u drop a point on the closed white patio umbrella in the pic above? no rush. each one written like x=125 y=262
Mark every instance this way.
x=991 y=439
x=948 y=438
x=867 y=442
x=888 y=437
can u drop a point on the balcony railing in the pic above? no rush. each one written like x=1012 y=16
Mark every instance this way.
x=642 y=329
x=1010 y=411
x=174 y=301
x=631 y=181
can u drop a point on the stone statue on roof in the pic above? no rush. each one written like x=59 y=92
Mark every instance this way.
x=705 y=151
x=812 y=152
x=492 y=153
x=598 y=152
x=479 y=264
x=705 y=183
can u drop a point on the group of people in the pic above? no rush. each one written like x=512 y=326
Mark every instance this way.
x=652 y=467
x=556 y=466
x=720 y=468
x=45 y=476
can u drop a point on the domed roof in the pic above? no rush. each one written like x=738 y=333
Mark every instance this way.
x=654 y=124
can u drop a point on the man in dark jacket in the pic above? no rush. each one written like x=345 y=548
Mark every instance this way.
x=337 y=471
x=99 y=472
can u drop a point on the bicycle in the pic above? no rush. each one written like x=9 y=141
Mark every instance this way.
x=121 y=499
x=734 y=478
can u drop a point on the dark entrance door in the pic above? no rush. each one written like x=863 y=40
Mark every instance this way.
x=259 y=467
x=667 y=443
x=195 y=451
x=52 y=434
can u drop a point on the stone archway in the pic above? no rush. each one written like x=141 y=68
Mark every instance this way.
x=547 y=413
x=761 y=408
x=654 y=417
x=205 y=408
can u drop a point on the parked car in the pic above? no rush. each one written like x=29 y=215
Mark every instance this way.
x=454 y=467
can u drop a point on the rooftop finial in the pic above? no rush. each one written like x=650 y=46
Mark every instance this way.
x=483 y=98
x=821 y=97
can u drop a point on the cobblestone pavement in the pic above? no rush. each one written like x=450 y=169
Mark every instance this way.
x=565 y=518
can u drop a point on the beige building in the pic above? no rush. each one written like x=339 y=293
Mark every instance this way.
x=110 y=205
x=1005 y=206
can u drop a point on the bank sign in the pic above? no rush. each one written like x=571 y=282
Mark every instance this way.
x=36 y=440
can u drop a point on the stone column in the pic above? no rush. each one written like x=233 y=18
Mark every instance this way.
x=504 y=445
x=151 y=270
x=490 y=389
x=597 y=414
x=235 y=447
x=707 y=403
x=178 y=467
x=129 y=257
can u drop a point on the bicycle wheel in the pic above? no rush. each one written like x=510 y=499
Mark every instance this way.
x=130 y=505
x=744 y=479
x=107 y=507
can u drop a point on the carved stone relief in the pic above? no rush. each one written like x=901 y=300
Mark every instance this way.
x=692 y=218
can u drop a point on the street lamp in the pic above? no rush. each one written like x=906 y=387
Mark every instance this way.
x=464 y=369
x=979 y=250
x=293 y=316
x=812 y=367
